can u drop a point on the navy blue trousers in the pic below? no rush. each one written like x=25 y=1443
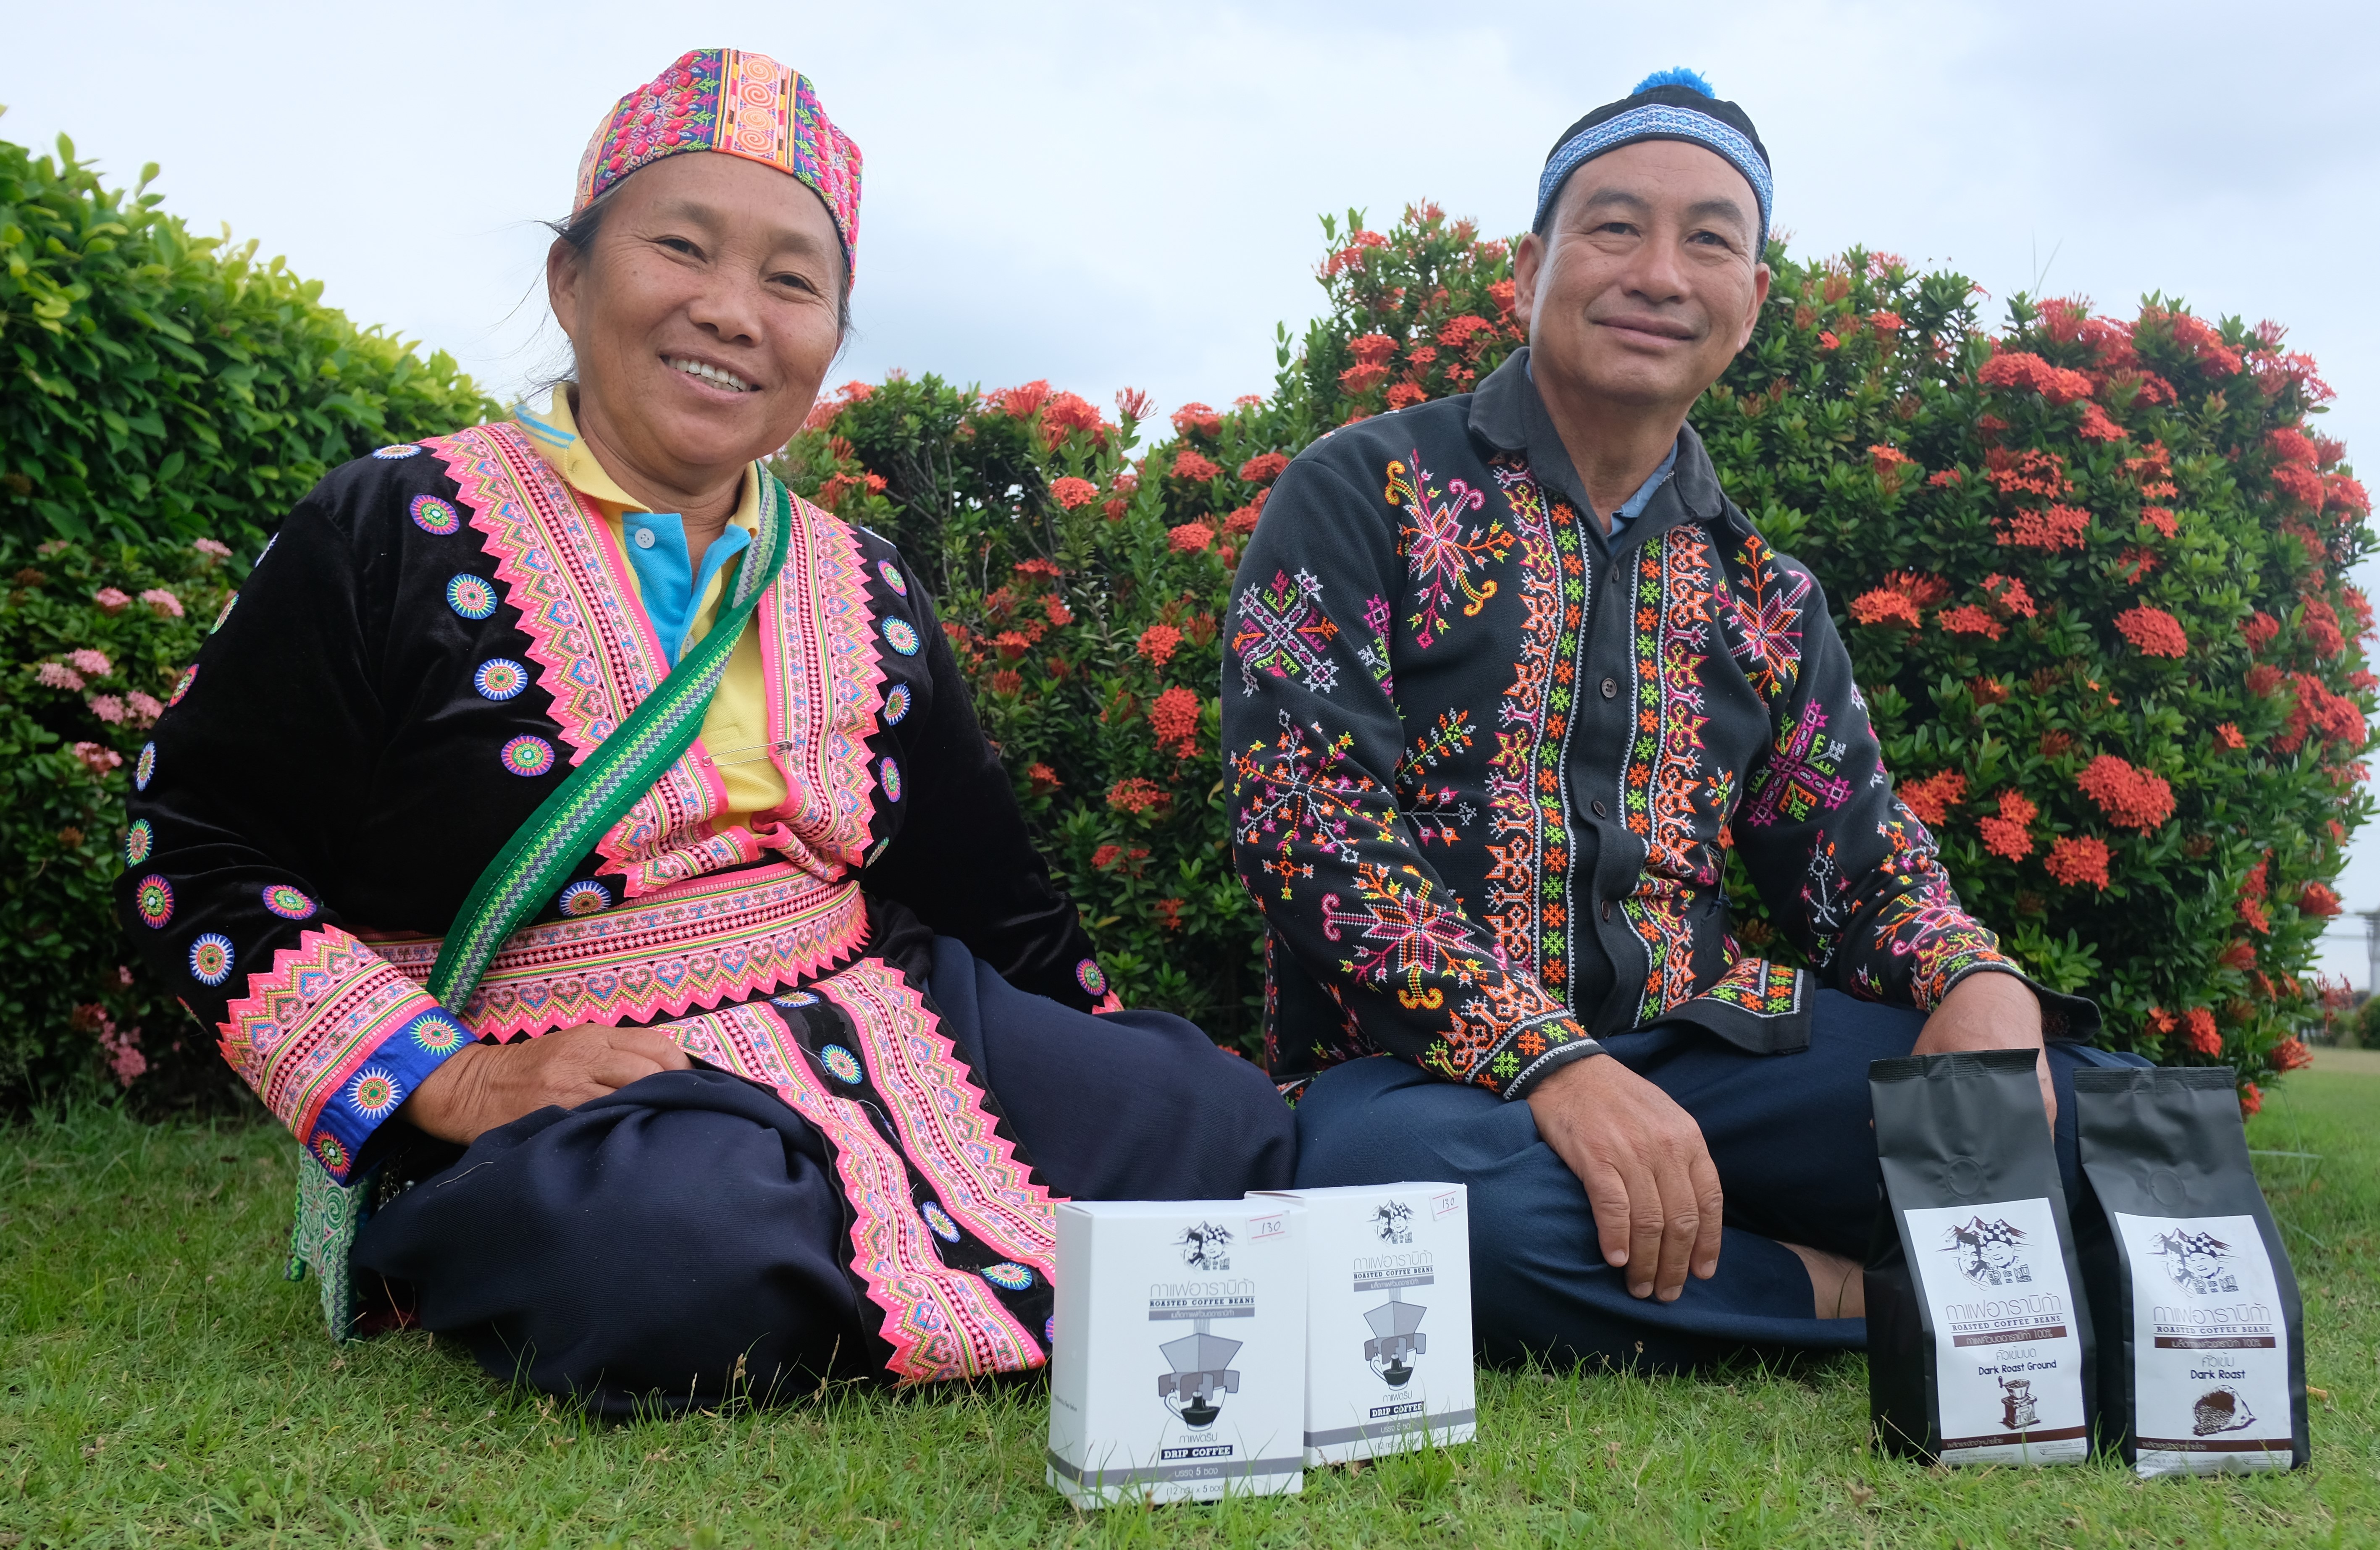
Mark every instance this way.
x=1793 y=1137
x=641 y=1251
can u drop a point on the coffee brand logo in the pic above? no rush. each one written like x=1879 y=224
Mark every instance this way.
x=1206 y=1247
x=2195 y=1261
x=1989 y=1253
x=1393 y=1222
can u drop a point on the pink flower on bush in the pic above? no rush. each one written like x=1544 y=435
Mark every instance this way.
x=1071 y=492
x=91 y=662
x=212 y=550
x=2077 y=859
x=2153 y=631
x=57 y=676
x=111 y=601
x=98 y=758
x=108 y=709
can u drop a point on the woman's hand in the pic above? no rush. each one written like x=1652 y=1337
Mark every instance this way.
x=481 y=1086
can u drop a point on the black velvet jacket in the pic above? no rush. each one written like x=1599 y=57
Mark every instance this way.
x=1489 y=762
x=432 y=639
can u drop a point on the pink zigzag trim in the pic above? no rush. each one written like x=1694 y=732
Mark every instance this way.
x=309 y=1022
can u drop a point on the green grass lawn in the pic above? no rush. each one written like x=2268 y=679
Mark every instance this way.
x=165 y=1386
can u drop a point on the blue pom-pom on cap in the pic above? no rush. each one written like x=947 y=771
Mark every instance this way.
x=1676 y=75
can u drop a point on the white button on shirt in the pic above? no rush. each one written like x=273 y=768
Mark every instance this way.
x=645 y=539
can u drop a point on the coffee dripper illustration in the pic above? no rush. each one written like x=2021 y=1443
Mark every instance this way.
x=1199 y=1375
x=1395 y=1341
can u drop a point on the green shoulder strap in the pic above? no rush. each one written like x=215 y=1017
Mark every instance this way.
x=537 y=860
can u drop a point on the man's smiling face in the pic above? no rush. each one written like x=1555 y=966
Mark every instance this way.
x=1649 y=278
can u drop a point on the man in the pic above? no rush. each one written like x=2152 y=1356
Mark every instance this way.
x=1510 y=676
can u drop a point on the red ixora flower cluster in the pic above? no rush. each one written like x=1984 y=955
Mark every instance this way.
x=2019 y=370
x=2132 y=797
x=2153 y=631
x=2010 y=836
x=1159 y=642
x=2075 y=859
x=2316 y=710
x=1932 y=798
x=1175 y=717
x=1071 y=492
x=1195 y=467
x=2204 y=1036
x=1264 y=468
x=1135 y=795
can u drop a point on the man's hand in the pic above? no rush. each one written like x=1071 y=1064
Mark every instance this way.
x=481 y=1086
x=1990 y=1011
x=1648 y=1173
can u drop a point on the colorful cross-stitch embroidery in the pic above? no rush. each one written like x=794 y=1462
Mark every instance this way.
x=389 y=455
x=139 y=840
x=584 y=897
x=900 y=637
x=896 y=705
x=1439 y=550
x=182 y=685
x=893 y=577
x=1282 y=631
x=144 y=768
x=936 y=1217
x=841 y=1064
x=889 y=776
x=1015 y=1277
x=1091 y=978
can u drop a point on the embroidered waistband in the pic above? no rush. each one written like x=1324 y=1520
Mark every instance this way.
x=710 y=940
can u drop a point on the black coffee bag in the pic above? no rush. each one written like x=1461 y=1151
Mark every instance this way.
x=2202 y=1339
x=1978 y=1346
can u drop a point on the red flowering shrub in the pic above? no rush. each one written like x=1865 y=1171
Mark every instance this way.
x=2076 y=572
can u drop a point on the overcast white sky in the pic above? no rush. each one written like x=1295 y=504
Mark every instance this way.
x=1110 y=195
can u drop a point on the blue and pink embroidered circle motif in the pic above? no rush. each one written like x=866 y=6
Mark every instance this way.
x=892 y=774
x=328 y=1147
x=391 y=454
x=154 y=899
x=900 y=634
x=1007 y=1275
x=1091 y=978
x=797 y=999
x=437 y=1032
x=225 y=614
x=585 y=897
x=434 y=516
x=211 y=958
x=893 y=579
x=139 y=840
x=939 y=1220
x=841 y=1064
x=471 y=595
x=145 y=770
x=182 y=686
x=287 y=903
x=500 y=678
x=896 y=705
x=529 y=755
x=373 y=1093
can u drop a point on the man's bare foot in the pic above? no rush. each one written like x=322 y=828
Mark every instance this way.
x=1836 y=1287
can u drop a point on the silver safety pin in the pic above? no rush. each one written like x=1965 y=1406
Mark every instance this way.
x=753 y=751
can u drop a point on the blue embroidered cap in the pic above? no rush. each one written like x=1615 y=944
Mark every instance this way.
x=1668 y=104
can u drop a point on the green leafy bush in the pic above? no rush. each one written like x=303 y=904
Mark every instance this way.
x=2091 y=574
x=95 y=639
x=166 y=386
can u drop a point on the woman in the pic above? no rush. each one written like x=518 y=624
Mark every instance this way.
x=632 y=898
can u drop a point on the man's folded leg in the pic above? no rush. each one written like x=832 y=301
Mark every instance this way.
x=1540 y=1285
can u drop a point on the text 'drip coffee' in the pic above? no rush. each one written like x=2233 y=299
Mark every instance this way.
x=1387 y=1334
x=1177 y=1370
x=1978 y=1344
x=2201 y=1364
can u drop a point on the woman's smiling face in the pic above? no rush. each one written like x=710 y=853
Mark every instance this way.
x=703 y=317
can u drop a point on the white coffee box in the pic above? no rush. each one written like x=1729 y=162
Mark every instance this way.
x=1388 y=1320
x=1178 y=1372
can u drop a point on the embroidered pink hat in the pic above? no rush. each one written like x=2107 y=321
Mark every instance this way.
x=744 y=105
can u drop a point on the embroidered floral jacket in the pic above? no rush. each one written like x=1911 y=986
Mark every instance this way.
x=1487 y=764
x=436 y=635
